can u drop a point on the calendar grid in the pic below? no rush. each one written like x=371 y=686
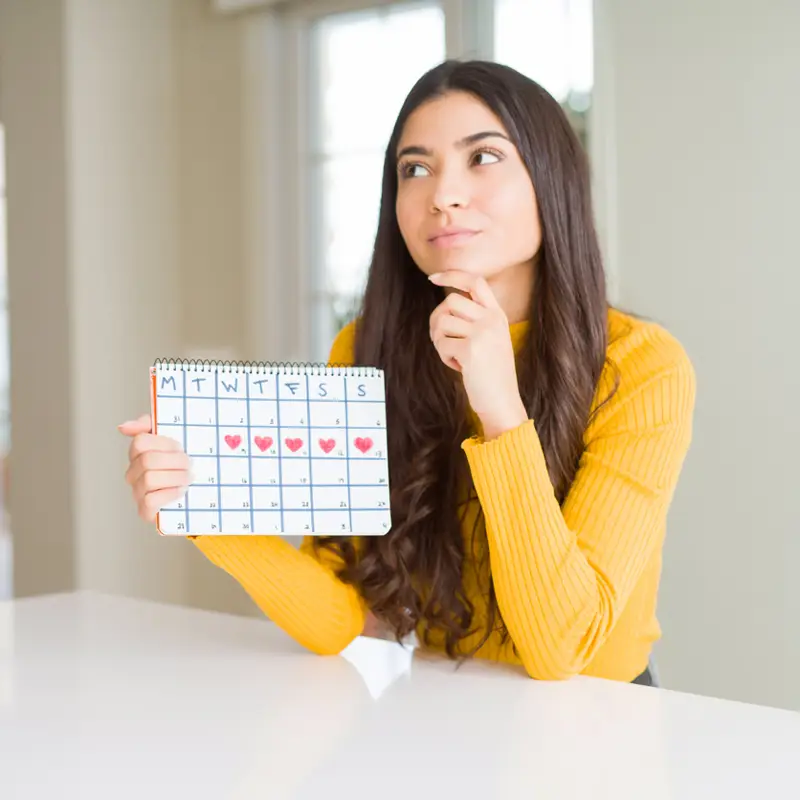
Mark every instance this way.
x=296 y=485
x=241 y=425
x=281 y=465
x=249 y=459
x=347 y=456
x=320 y=510
x=310 y=467
x=270 y=400
x=186 y=496
x=278 y=436
x=219 y=466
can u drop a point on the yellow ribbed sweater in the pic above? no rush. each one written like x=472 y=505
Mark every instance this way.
x=576 y=584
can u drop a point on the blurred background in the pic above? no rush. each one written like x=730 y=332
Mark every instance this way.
x=200 y=178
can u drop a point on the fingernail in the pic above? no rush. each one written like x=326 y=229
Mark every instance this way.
x=435 y=276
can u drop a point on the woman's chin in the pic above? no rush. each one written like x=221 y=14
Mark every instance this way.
x=462 y=263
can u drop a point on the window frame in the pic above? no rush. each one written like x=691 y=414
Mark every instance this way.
x=292 y=271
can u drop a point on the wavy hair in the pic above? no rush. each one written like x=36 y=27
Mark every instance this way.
x=411 y=578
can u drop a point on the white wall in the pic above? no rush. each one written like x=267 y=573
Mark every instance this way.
x=88 y=102
x=208 y=106
x=132 y=146
x=33 y=108
x=706 y=132
x=124 y=279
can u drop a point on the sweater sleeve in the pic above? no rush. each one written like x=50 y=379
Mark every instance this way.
x=295 y=588
x=563 y=574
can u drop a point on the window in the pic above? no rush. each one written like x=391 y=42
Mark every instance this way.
x=550 y=41
x=350 y=110
x=354 y=111
x=5 y=367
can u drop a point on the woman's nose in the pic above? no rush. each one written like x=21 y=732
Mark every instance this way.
x=449 y=192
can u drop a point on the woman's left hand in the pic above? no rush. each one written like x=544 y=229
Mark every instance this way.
x=471 y=335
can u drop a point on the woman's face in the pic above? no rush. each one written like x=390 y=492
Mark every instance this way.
x=465 y=200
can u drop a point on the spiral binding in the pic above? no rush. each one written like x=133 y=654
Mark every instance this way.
x=265 y=368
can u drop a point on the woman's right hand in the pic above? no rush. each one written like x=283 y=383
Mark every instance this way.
x=159 y=469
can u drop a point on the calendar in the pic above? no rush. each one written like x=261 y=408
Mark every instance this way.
x=275 y=448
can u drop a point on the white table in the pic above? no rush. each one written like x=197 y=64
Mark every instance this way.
x=111 y=698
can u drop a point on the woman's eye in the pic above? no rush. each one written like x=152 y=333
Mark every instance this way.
x=484 y=157
x=414 y=171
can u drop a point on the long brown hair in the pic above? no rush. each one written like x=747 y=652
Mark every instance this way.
x=413 y=574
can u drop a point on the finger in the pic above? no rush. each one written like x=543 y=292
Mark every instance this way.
x=152 y=503
x=452 y=352
x=144 y=442
x=157 y=461
x=134 y=427
x=460 y=306
x=151 y=482
x=475 y=285
x=456 y=306
x=450 y=326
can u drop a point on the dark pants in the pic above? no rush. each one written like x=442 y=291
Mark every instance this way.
x=645 y=679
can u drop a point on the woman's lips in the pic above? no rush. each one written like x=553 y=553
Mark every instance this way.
x=452 y=237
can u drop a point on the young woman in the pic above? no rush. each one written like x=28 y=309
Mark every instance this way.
x=536 y=434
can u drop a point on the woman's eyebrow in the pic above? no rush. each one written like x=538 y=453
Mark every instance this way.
x=419 y=150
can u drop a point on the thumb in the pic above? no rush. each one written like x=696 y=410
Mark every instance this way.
x=136 y=426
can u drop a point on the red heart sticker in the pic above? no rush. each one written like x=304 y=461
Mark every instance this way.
x=294 y=444
x=263 y=442
x=363 y=444
x=233 y=441
x=327 y=445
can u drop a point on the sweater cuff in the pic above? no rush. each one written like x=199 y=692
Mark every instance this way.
x=513 y=444
x=509 y=470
